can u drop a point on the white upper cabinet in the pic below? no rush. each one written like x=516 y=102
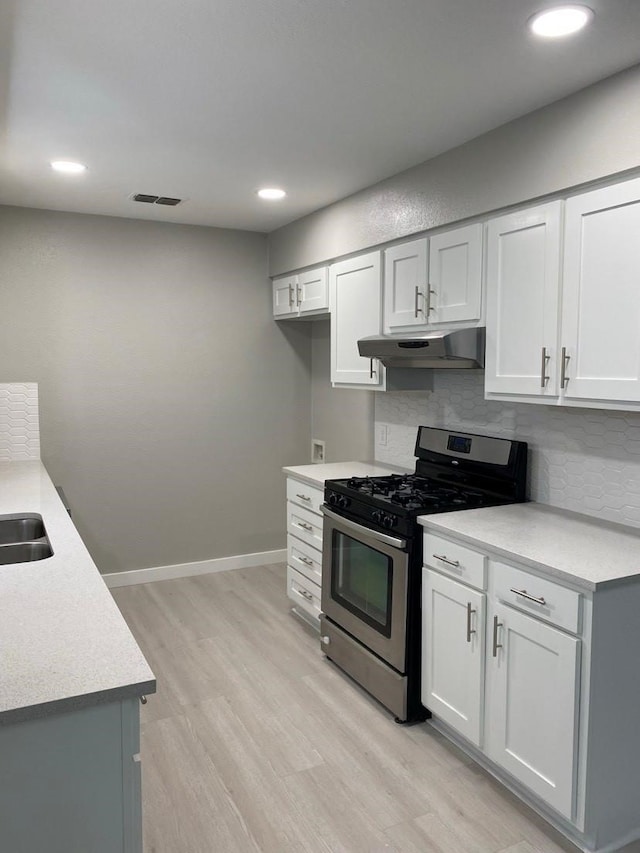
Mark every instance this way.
x=405 y=285
x=356 y=312
x=455 y=275
x=435 y=281
x=575 y=339
x=523 y=290
x=284 y=296
x=601 y=297
x=305 y=294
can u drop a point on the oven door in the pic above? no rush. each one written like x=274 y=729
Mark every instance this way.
x=364 y=586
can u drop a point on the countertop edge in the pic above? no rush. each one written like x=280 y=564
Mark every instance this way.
x=543 y=568
x=76 y=703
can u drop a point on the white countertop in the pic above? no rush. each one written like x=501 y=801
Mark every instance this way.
x=315 y=475
x=576 y=548
x=63 y=641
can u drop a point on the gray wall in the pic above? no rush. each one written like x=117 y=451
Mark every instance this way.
x=341 y=417
x=169 y=399
x=579 y=139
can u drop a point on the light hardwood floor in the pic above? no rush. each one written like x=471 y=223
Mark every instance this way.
x=255 y=742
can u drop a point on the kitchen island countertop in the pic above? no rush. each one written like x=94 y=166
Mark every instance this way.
x=576 y=548
x=63 y=642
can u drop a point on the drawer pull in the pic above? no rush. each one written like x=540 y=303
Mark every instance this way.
x=303 y=497
x=525 y=594
x=496 y=644
x=305 y=526
x=306 y=561
x=470 y=631
x=444 y=559
x=305 y=594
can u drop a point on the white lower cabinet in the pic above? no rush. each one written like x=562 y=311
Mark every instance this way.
x=304 y=548
x=540 y=679
x=532 y=705
x=453 y=653
x=508 y=681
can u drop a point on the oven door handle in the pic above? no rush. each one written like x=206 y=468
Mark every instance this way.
x=364 y=531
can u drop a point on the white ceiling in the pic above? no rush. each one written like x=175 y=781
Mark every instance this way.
x=207 y=100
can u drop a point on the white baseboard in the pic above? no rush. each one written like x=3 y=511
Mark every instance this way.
x=185 y=570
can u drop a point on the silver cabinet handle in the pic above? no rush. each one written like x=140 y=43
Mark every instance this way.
x=525 y=594
x=372 y=370
x=306 y=561
x=304 y=525
x=291 y=296
x=143 y=700
x=416 y=309
x=430 y=308
x=496 y=644
x=470 y=631
x=303 y=497
x=564 y=361
x=305 y=594
x=446 y=560
x=298 y=295
x=543 y=368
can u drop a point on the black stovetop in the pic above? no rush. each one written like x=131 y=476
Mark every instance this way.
x=454 y=471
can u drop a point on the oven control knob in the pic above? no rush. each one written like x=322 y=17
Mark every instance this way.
x=376 y=515
x=343 y=502
x=333 y=499
x=389 y=521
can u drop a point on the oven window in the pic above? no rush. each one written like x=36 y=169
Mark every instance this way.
x=361 y=579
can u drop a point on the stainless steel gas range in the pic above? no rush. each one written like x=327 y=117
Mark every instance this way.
x=370 y=624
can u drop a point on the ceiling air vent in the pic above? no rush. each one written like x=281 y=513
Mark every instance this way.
x=156 y=199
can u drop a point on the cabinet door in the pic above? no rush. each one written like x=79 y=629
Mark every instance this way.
x=284 y=297
x=523 y=287
x=405 y=285
x=355 y=296
x=533 y=703
x=453 y=653
x=455 y=275
x=312 y=291
x=601 y=294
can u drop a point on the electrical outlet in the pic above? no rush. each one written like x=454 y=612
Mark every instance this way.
x=383 y=435
x=317 y=450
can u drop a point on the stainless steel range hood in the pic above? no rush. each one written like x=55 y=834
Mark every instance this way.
x=440 y=348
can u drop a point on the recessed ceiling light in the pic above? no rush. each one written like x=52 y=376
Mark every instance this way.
x=271 y=193
x=560 y=21
x=69 y=167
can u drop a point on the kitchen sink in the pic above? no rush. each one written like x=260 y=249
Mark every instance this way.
x=20 y=528
x=23 y=538
x=24 y=552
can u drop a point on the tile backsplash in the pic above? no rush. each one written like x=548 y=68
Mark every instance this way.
x=587 y=460
x=19 y=421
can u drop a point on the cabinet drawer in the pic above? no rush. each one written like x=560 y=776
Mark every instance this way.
x=304 y=495
x=304 y=593
x=305 y=525
x=304 y=559
x=548 y=600
x=456 y=560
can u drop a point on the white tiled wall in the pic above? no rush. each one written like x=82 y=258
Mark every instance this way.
x=19 y=421
x=586 y=460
